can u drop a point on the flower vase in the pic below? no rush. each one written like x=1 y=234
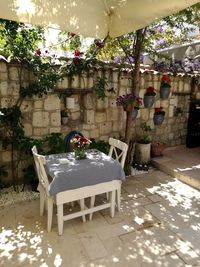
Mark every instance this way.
x=134 y=114
x=164 y=91
x=148 y=100
x=80 y=154
x=158 y=119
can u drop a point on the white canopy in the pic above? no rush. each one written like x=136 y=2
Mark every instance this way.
x=92 y=18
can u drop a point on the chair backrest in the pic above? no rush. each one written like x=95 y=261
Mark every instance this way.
x=41 y=172
x=119 y=150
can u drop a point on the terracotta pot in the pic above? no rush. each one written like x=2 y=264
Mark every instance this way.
x=158 y=149
x=148 y=100
x=129 y=107
x=164 y=92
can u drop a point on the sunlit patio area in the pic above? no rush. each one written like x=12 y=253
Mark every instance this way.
x=158 y=226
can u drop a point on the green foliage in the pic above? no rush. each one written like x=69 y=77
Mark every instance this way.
x=55 y=144
x=101 y=145
x=30 y=176
x=144 y=138
x=100 y=88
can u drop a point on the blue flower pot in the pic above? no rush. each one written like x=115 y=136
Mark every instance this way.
x=148 y=101
x=164 y=92
x=158 y=119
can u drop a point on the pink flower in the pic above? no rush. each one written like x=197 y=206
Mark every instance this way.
x=38 y=52
x=76 y=59
x=77 y=53
x=99 y=44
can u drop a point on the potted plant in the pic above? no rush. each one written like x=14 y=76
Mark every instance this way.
x=143 y=145
x=64 y=117
x=130 y=103
x=165 y=87
x=80 y=145
x=137 y=104
x=159 y=115
x=149 y=97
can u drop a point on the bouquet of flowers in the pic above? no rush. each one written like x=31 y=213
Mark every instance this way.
x=150 y=91
x=165 y=81
x=159 y=111
x=80 y=145
x=129 y=102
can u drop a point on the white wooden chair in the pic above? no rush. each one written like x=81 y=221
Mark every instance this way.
x=78 y=194
x=118 y=150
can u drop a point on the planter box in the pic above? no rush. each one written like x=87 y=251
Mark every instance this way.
x=142 y=153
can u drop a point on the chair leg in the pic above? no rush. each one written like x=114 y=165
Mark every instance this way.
x=82 y=205
x=118 y=198
x=49 y=213
x=92 y=200
x=60 y=218
x=112 y=202
x=42 y=203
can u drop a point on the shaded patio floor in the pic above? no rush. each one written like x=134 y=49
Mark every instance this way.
x=159 y=225
x=182 y=163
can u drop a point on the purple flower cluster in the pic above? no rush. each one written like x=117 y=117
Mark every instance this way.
x=124 y=100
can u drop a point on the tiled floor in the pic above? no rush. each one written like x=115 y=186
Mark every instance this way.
x=159 y=225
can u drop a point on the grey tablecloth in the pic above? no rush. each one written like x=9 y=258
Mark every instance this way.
x=68 y=173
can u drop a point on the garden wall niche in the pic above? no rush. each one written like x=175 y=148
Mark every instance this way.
x=95 y=118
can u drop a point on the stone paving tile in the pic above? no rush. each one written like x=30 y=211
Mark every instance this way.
x=92 y=245
x=155 y=198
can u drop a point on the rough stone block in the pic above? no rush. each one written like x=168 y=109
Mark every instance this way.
x=13 y=74
x=94 y=133
x=40 y=119
x=102 y=104
x=38 y=104
x=3 y=67
x=171 y=111
x=52 y=102
x=27 y=106
x=112 y=102
x=7 y=101
x=40 y=131
x=63 y=84
x=164 y=103
x=87 y=127
x=118 y=126
x=88 y=101
x=100 y=117
x=151 y=114
x=75 y=82
x=142 y=81
x=3 y=76
x=105 y=127
x=124 y=81
x=75 y=115
x=122 y=90
x=28 y=129
x=142 y=92
x=144 y=114
x=180 y=86
x=54 y=129
x=85 y=133
x=115 y=77
x=89 y=117
x=187 y=87
x=6 y=156
x=157 y=104
x=113 y=114
x=55 y=119
x=4 y=88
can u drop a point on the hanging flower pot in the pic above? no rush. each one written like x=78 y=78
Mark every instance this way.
x=149 y=97
x=158 y=119
x=164 y=87
x=159 y=116
x=134 y=114
x=129 y=107
x=164 y=91
x=149 y=101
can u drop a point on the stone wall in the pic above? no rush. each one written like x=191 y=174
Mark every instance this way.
x=96 y=118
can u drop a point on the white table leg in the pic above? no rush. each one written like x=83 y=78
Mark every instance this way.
x=82 y=204
x=92 y=200
x=60 y=218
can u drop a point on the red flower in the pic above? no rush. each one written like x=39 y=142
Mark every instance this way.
x=76 y=59
x=138 y=140
x=161 y=108
x=139 y=102
x=77 y=53
x=38 y=52
x=150 y=89
x=72 y=34
x=157 y=109
x=99 y=44
x=164 y=78
x=46 y=51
